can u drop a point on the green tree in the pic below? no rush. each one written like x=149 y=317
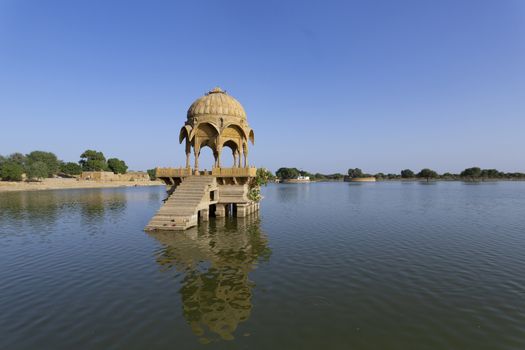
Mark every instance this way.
x=152 y=174
x=48 y=158
x=473 y=173
x=427 y=174
x=407 y=174
x=19 y=159
x=117 y=166
x=70 y=168
x=92 y=160
x=356 y=172
x=491 y=173
x=11 y=171
x=37 y=170
x=287 y=173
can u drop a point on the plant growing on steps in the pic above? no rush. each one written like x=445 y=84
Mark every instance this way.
x=262 y=177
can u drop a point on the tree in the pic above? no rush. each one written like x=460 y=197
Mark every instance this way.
x=427 y=174
x=353 y=173
x=92 y=160
x=407 y=174
x=287 y=173
x=48 y=158
x=491 y=173
x=70 y=168
x=474 y=172
x=11 y=171
x=152 y=174
x=19 y=159
x=117 y=166
x=37 y=170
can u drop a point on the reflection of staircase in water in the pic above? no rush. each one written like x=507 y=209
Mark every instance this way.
x=215 y=260
x=181 y=209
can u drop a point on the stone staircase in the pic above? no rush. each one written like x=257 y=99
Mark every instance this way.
x=181 y=209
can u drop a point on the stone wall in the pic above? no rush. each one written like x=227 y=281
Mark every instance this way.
x=110 y=176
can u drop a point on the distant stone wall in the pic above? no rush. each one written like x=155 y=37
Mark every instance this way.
x=110 y=176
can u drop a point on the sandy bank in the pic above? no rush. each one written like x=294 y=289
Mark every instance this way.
x=58 y=184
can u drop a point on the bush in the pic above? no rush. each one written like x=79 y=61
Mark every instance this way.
x=49 y=159
x=11 y=171
x=70 y=168
x=37 y=170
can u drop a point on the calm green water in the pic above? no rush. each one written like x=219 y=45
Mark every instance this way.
x=327 y=265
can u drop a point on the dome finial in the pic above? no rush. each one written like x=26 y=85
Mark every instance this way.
x=216 y=90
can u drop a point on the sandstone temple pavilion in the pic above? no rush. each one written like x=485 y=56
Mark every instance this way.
x=218 y=121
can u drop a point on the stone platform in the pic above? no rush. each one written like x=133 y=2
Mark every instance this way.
x=194 y=196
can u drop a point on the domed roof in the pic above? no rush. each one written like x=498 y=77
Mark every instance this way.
x=216 y=102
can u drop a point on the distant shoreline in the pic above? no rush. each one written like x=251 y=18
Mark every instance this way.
x=406 y=180
x=62 y=184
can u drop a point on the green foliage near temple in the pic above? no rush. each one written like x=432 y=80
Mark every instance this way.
x=263 y=176
x=92 y=160
x=117 y=166
x=152 y=174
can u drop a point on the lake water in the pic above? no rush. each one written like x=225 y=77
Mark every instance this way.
x=323 y=266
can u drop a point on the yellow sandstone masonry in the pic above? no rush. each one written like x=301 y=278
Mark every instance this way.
x=218 y=121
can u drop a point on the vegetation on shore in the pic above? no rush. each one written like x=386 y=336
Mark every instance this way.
x=469 y=174
x=293 y=173
x=38 y=165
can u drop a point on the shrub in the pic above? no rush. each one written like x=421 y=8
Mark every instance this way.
x=11 y=171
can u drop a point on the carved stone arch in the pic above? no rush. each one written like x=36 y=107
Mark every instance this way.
x=185 y=133
x=206 y=129
x=234 y=146
x=252 y=137
x=229 y=131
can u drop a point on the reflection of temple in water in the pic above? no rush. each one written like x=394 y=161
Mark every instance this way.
x=216 y=259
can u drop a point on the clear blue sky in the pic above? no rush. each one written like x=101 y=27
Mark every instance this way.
x=327 y=85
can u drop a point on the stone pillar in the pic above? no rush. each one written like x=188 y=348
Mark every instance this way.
x=240 y=158
x=188 y=153
x=220 y=210
x=219 y=152
x=246 y=158
x=242 y=210
x=205 y=214
x=196 y=151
